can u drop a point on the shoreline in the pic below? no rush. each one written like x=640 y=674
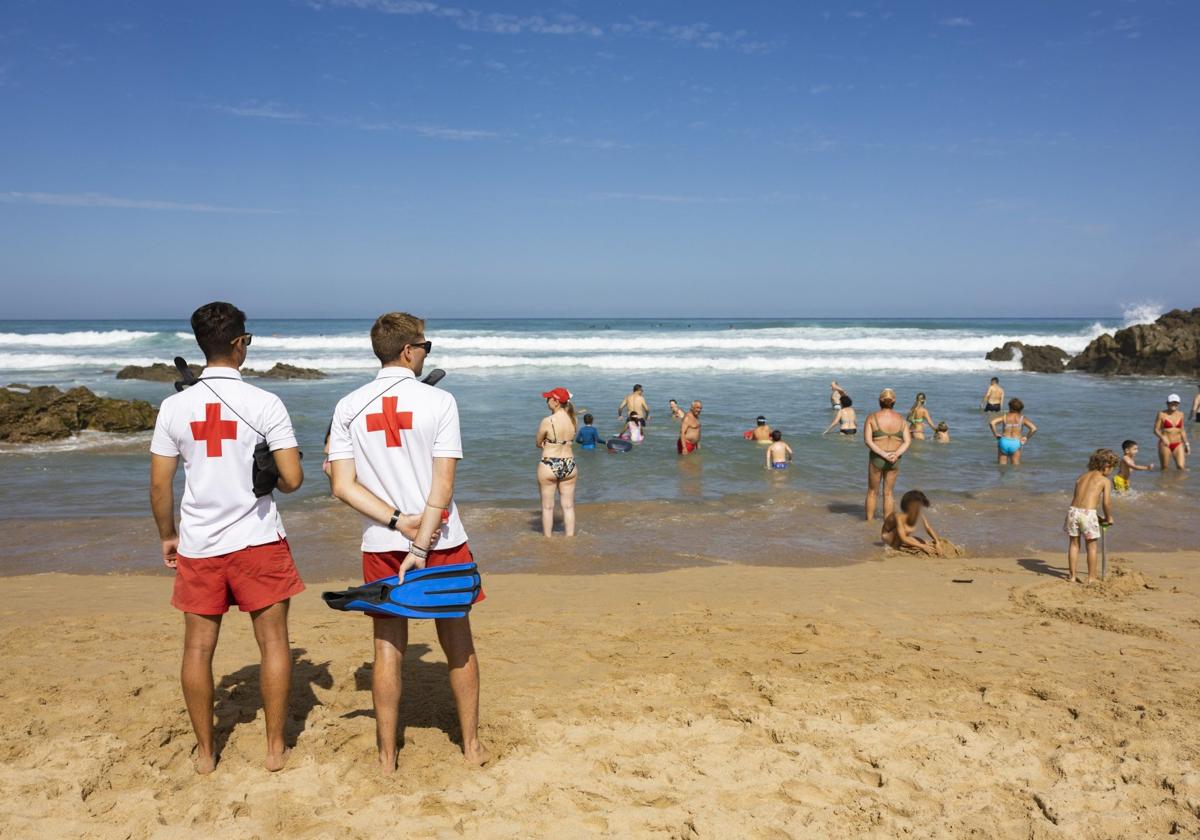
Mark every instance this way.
x=866 y=700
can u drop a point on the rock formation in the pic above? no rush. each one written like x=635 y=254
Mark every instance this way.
x=43 y=413
x=1168 y=347
x=1039 y=358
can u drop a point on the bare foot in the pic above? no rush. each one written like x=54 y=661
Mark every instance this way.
x=387 y=764
x=276 y=761
x=1072 y=579
x=1091 y=581
x=477 y=754
x=204 y=763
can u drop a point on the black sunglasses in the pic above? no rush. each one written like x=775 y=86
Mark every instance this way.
x=426 y=345
x=248 y=338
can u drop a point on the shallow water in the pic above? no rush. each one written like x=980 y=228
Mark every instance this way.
x=497 y=371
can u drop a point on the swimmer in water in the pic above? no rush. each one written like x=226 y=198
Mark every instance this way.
x=676 y=412
x=836 y=392
x=918 y=416
x=993 y=399
x=761 y=433
x=1127 y=467
x=942 y=433
x=845 y=418
x=1172 y=437
x=1010 y=441
x=779 y=454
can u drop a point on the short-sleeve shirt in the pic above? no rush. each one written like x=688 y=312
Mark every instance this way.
x=214 y=426
x=393 y=428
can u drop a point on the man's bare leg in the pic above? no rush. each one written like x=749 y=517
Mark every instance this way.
x=455 y=637
x=1091 y=561
x=275 y=677
x=391 y=638
x=1072 y=558
x=200 y=634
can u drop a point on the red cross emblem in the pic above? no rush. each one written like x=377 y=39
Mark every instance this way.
x=212 y=429
x=390 y=422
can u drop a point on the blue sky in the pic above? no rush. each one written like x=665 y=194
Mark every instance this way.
x=339 y=157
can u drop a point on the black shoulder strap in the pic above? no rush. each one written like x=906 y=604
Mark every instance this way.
x=205 y=379
x=377 y=396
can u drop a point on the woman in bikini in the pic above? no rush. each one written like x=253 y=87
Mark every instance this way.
x=556 y=471
x=845 y=417
x=918 y=416
x=887 y=438
x=1013 y=437
x=1172 y=437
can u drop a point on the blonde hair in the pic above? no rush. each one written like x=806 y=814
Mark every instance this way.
x=917 y=403
x=1103 y=459
x=392 y=332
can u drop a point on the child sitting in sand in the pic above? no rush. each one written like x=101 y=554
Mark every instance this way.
x=899 y=529
x=942 y=433
x=1092 y=489
x=1129 y=451
x=779 y=454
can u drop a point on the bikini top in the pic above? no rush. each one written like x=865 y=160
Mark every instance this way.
x=1167 y=424
x=555 y=433
x=1017 y=425
x=877 y=433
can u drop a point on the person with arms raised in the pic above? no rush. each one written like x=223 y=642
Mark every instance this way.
x=230 y=547
x=394 y=450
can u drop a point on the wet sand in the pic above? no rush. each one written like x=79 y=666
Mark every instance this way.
x=878 y=699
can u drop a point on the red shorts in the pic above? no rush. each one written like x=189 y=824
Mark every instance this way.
x=381 y=564
x=254 y=578
x=691 y=447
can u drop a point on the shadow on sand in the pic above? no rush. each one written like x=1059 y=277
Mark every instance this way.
x=1041 y=567
x=426 y=701
x=237 y=698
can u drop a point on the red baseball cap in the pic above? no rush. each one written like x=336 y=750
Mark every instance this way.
x=560 y=394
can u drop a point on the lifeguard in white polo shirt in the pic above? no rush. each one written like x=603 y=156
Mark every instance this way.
x=394 y=447
x=230 y=547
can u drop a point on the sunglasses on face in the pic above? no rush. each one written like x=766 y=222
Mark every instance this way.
x=427 y=346
x=245 y=339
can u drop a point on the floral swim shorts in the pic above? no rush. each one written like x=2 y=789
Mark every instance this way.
x=1082 y=521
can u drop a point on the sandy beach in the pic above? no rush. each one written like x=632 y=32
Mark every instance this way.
x=879 y=699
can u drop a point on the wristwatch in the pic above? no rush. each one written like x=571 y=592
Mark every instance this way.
x=395 y=519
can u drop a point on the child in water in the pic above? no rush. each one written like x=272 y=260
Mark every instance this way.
x=588 y=437
x=634 y=429
x=1092 y=490
x=942 y=433
x=1129 y=450
x=899 y=529
x=779 y=454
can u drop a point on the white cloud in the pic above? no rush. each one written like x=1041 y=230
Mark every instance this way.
x=264 y=110
x=956 y=22
x=90 y=199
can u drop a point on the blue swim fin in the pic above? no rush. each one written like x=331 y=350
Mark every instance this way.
x=438 y=592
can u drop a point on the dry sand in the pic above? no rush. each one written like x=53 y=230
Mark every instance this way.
x=875 y=700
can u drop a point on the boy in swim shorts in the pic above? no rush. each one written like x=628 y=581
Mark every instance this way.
x=1092 y=490
x=779 y=454
x=1129 y=450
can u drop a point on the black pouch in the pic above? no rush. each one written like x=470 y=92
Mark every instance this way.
x=264 y=474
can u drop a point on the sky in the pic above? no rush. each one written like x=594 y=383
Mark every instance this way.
x=503 y=158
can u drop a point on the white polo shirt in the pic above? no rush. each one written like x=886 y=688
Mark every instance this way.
x=393 y=428
x=219 y=512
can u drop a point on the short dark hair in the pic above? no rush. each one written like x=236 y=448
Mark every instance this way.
x=587 y=418
x=845 y=400
x=216 y=326
x=996 y=379
x=392 y=332
x=1016 y=405
x=760 y=420
x=637 y=387
x=913 y=496
x=1126 y=445
x=776 y=435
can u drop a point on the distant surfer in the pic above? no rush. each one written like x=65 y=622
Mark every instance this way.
x=394 y=450
x=634 y=403
x=689 y=430
x=993 y=398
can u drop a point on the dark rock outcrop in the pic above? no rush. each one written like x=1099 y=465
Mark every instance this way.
x=28 y=415
x=1168 y=347
x=160 y=372
x=1038 y=358
x=286 y=371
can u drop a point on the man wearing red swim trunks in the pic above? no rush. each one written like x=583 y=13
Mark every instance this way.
x=689 y=430
x=230 y=547
x=394 y=447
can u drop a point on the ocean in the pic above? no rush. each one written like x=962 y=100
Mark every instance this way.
x=741 y=368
